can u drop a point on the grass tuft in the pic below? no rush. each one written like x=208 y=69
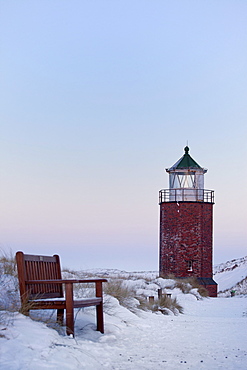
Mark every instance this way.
x=7 y=263
x=119 y=290
x=165 y=305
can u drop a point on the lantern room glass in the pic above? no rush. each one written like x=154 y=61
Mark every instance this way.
x=186 y=185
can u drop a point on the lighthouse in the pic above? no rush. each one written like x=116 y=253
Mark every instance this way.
x=186 y=224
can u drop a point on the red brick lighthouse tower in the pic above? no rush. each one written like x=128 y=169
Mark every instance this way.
x=186 y=224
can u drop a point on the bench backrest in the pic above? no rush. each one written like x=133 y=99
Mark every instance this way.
x=32 y=267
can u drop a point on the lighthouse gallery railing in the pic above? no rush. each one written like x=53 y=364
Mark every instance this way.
x=186 y=195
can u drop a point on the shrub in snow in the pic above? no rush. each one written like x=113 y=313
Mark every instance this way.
x=124 y=293
x=188 y=285
x=166 y=305
x=9 y=297
x=7 y=264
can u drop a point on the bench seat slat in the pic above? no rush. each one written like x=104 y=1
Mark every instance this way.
x=64 y=281
x=37 y=304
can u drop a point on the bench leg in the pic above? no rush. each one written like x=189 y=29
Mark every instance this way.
x=100 y=318
x=60 y=316
x=99 y=308
x=69 y=309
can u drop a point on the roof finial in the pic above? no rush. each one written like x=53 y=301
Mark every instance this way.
x=186 y=149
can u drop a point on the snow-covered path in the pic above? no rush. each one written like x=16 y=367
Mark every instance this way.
x=211 y=334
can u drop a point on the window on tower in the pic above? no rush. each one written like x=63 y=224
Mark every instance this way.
x=190 y=265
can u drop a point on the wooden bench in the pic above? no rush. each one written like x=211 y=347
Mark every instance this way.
x=41 y=287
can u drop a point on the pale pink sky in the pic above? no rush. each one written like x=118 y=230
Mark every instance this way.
x=97 y=98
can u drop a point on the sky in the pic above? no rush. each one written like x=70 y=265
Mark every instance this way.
x=97 y=98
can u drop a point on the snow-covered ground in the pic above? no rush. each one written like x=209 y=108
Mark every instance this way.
x=210 y=334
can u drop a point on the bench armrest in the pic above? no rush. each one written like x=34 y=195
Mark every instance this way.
x=69 y=284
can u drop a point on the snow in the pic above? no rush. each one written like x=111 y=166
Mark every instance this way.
x=228 y=275
x=210 y=334
x=230 y=278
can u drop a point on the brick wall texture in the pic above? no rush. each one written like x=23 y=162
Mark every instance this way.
x=186 y=239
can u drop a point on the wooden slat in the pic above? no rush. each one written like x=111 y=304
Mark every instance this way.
x=64 y=281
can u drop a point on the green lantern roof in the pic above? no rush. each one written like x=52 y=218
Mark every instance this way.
x=186 y=161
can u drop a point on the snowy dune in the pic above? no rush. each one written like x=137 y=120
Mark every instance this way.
x=232 y=275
